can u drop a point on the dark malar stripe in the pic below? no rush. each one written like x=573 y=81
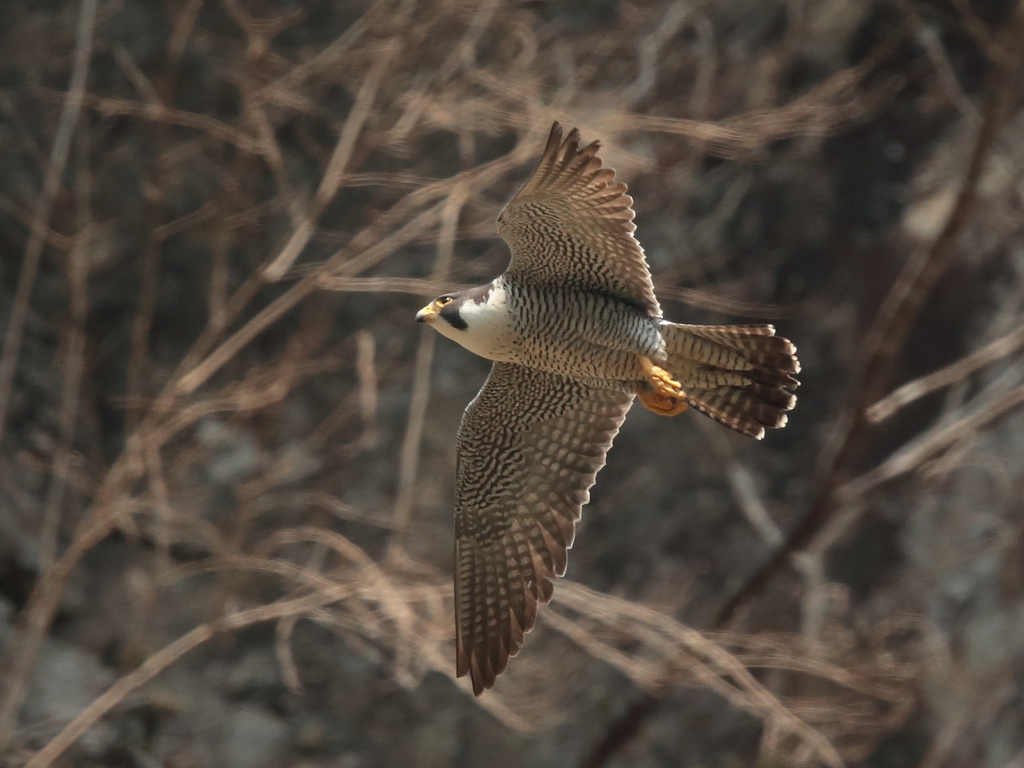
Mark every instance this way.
x=450 y=313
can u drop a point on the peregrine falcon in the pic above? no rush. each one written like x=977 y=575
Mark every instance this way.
x=575 y=332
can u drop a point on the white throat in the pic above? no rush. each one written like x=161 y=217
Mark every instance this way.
x=489 y=326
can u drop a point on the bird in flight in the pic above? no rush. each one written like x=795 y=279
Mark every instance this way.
x=575 y=332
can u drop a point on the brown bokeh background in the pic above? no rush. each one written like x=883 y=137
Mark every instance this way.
x=227 y=451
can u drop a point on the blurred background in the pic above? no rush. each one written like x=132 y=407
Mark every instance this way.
x=227 y=451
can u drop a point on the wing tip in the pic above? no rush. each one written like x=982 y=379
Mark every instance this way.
x=554 y=139
x=562 y=152
x=483 y=650
x=479 y=666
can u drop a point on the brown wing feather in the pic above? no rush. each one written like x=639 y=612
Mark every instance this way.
x=571 y=224
x=529 y=448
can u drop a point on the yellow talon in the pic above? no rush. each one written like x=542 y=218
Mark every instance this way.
x=660 y=379
x=661 y=393
x=663 y=405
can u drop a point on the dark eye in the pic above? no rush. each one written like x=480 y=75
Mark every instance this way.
x=444 y=300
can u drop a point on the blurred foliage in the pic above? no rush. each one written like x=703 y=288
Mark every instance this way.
x=227 y=452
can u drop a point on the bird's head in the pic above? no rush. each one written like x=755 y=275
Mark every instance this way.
x=443 y=309
x=473 y=317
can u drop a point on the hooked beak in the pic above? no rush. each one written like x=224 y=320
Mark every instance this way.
x=427 y=314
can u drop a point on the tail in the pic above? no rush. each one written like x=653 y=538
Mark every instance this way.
x=739 y=375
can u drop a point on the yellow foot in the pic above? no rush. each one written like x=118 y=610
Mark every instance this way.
x=663 y=405
x=660 y=379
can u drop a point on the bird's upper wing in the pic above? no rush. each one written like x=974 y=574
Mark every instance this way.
x=529 y=448
x=571 y=224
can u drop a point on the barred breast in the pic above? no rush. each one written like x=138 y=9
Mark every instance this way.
x=577 y=333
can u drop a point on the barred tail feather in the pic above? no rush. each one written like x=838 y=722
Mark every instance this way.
x=739 y=375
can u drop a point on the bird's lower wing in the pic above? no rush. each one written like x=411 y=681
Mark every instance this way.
x=529 y=448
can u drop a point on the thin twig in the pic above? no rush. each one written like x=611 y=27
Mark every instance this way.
x=365 y=250
x=33 y=251
x=42 y=603
x=924 y=446
x=74 y=362
x=335 y=171
x=695 y=655
x=892 y=323
x=285 y=303
x=169 y=654
x=366 y=371
x=409 y=463
x=204 y=124
x=183 y=25
x=965 y=366
x=140 y=328
x=69 y=112
x=741 y=482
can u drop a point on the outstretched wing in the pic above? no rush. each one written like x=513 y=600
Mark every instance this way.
x=571 y=224
x=529 y=448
